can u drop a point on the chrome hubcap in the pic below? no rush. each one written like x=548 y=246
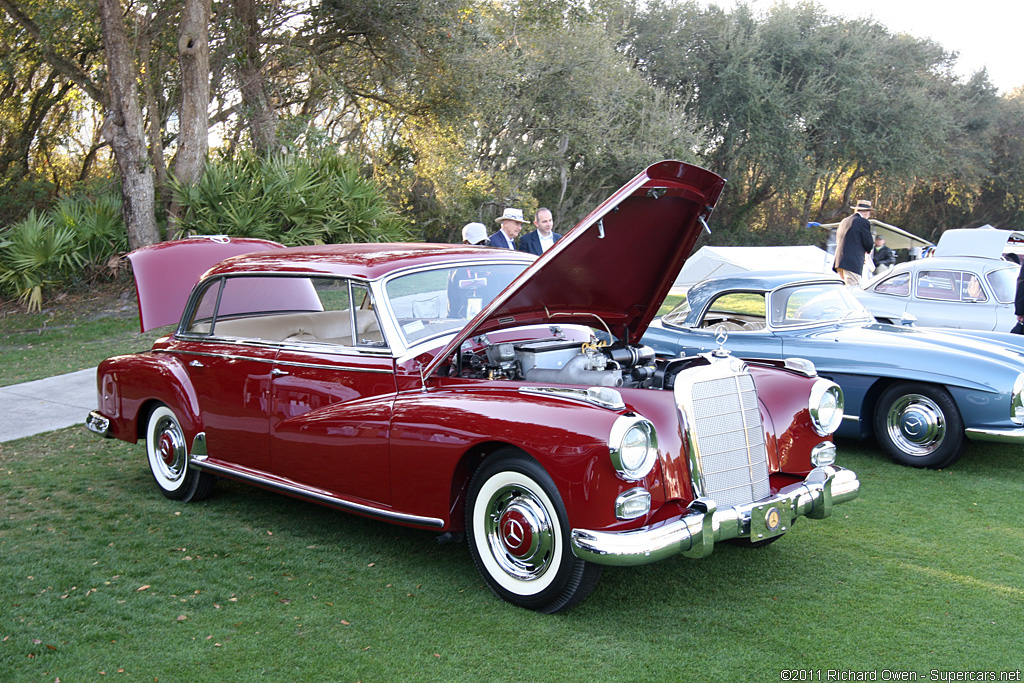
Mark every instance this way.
x=916 y=424
x=170 y=448
x=519 y=532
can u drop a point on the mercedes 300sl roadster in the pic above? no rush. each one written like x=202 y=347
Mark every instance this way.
x=479 y=393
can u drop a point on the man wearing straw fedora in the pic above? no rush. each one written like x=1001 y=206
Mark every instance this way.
x=511 y=222
x=853 y=243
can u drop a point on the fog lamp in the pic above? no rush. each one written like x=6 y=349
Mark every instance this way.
x=823 y=454
x=632 y=504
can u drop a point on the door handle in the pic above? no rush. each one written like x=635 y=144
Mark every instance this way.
x=277 y=372
x=195 y=364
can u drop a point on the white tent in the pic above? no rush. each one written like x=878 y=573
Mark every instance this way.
x=715 y=261
x=895 y=238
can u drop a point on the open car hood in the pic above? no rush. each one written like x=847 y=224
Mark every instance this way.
x=164 y=277
x=614 y=268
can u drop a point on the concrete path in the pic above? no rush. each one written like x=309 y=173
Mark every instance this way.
x=46 y=404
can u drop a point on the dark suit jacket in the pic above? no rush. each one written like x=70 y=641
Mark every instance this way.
x=1018 y=300
x=530 y=242
x=499 y=240
x=856 y=244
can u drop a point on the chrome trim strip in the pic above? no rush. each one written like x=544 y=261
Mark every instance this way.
x=850 y=417
x=98 y=424
x=1011 y=435
x=696 y=533
x=274 y=361
x=602 y=397
x=300 y=491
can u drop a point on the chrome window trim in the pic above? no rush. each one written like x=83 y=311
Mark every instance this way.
x=275 y=361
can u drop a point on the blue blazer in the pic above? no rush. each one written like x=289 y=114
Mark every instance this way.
x=499 y=240
x=530 y=242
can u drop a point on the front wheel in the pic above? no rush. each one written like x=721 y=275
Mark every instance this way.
x=519 y=536
x=168 y=459
x=919 y=425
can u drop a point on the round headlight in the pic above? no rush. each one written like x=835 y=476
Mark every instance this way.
x=826 y=406
x=633 y=446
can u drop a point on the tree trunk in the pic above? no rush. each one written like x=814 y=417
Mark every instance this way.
x=123 y=127
x=262 y=121
x=193 y=136
x=194 y=55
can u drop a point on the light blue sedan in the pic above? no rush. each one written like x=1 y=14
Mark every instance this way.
x=919 y=393
x=966 y=285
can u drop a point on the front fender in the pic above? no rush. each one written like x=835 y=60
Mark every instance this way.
x=435 y=433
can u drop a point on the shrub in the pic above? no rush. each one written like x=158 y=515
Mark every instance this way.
x=78 y=239
x=290 y=199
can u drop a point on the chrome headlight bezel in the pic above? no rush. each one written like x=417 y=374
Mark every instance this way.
x=1017 y=400
x=825 y=405
x=633 y=446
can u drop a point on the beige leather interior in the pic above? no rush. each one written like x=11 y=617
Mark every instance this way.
x=332 y=327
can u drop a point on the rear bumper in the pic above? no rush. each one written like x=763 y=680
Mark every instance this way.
x=98 y=424
x=696 y=533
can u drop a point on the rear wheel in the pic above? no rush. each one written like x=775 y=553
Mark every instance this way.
x=919 y=425
x=167 y=451
x=519 y=536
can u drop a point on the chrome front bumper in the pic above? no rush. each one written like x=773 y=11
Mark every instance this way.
x=696 y=533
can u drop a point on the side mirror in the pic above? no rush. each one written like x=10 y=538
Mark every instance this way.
x=908 y=319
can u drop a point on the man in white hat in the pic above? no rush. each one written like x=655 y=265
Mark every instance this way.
x=853 y=243
x=474 y=233
x=512 y=223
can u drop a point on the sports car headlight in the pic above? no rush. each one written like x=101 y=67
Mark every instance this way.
x=1017 y=400
x=633 y=445
x=826 y=406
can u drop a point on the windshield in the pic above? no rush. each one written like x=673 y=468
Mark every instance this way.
x=824 y=302
x=441 y=300
x=677 y=316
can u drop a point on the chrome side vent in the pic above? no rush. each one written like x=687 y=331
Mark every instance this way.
x=728 y=458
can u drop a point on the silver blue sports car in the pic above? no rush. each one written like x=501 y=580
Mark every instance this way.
x=919 y=393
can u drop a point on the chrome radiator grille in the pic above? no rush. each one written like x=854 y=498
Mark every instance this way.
x=727 y=439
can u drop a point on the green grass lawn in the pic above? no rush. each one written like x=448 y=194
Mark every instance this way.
x=104 y=577
x=72 y=333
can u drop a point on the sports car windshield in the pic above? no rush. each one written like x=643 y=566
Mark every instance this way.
x=811 y=303
x=441 y=300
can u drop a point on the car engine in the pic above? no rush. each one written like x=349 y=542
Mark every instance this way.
x=560 y=361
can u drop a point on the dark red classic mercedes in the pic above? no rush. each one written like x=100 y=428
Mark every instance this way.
x=478 y=391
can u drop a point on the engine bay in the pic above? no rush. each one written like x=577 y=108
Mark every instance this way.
x=558 y=360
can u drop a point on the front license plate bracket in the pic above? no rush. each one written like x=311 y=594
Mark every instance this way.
x=770 y=520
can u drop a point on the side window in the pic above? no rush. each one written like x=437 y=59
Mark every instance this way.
x=940 y=285
x=897 y=285
x=950 y=285
x=972 y=290
x=201 y=321
x=1003 y=283
x=740 y=311
x=293 y=310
